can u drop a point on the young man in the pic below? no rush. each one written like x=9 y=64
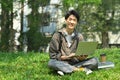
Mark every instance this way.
x=63 y=47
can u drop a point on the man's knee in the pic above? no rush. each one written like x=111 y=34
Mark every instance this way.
x=61 y=66
x=94 y=63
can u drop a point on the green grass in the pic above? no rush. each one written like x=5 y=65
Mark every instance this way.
x=33 y=66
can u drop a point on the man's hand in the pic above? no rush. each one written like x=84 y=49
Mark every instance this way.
x=82 y=57
x=71 y=55
x=68 y=57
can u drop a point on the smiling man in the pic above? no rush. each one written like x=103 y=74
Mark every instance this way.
x=63 y=47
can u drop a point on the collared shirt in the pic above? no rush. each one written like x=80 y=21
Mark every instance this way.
x=69 y=38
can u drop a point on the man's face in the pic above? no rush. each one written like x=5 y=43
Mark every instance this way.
x=71 y=22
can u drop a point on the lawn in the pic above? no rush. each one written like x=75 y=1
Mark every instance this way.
x=33 y=66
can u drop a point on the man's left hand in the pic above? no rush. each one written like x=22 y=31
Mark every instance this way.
x=82 y=57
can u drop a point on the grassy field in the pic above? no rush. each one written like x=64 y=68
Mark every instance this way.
x=33 y=66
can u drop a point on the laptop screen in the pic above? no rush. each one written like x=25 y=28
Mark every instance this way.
x=86 y=48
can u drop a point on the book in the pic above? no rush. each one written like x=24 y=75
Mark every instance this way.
x=106 y=64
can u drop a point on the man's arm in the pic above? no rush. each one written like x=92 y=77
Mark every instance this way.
x=54 y=47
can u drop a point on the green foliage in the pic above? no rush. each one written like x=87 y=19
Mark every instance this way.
x=6 y=24
x=34 y=66
x=76 y=3
x=96 y=16
x=36 y=21
x=7 y=6
x=37 y=39
x=38 y=3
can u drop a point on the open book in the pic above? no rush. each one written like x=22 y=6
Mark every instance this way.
x=106 y=64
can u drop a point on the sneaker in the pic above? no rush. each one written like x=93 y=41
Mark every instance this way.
x=88 y=71
x=81 y=69
x=60 y=73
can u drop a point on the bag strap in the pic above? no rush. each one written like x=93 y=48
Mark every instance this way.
x=60 y=38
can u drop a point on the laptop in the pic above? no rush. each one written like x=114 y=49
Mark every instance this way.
x=86 y=48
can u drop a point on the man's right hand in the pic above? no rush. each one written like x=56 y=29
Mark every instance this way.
x=68 y=57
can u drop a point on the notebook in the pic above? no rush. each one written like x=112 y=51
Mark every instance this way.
x=86 y=48
x=106 y=64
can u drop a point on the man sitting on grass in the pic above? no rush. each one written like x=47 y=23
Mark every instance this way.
x=63 y=47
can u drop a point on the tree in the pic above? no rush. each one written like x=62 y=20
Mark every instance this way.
x=7 y=34
x=94 y=17
x=22 y=16
x=105 y=21
x=35 y=21
x=8 y=42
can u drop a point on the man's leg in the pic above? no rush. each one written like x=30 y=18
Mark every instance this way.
x=91 y=63
x=61 y=66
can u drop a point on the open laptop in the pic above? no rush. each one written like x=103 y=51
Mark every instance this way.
x=86 y=48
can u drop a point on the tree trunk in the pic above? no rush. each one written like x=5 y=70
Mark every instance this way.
x=7 y=32
x=33 y=23
x=21 y=33
x=105 y=40
x=12 y=44
x=4 y=27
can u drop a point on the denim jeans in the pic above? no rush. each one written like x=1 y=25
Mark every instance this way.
x=64 y=66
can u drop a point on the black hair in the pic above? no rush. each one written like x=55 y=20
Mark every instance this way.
x=72 y=12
